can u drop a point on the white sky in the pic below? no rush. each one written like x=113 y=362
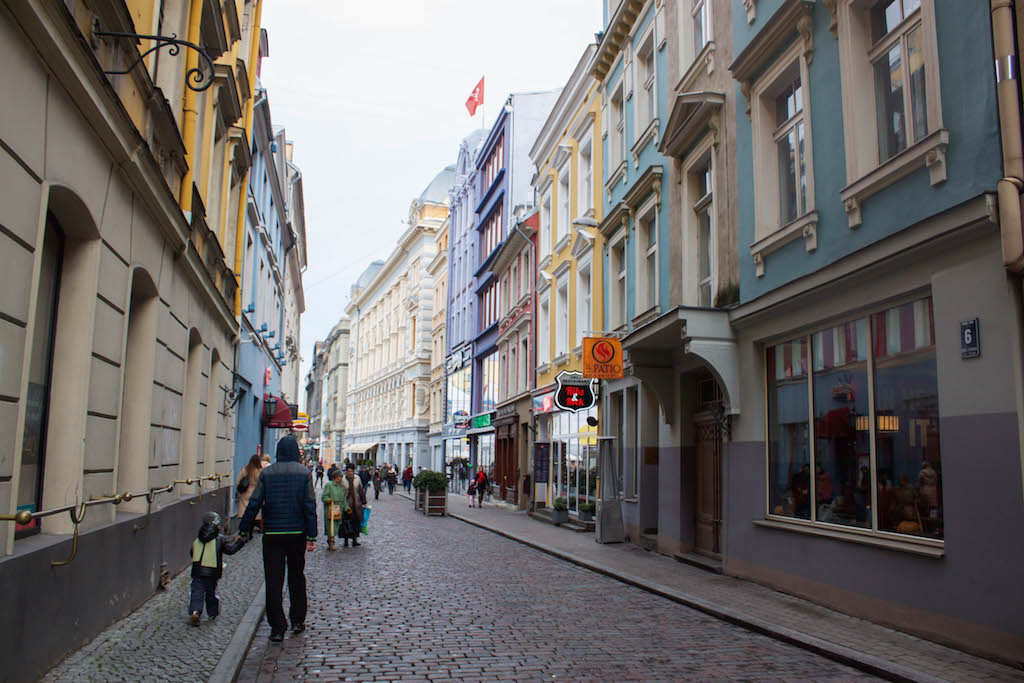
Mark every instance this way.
x=373 y=95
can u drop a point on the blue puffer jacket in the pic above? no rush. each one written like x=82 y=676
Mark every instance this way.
x=285 y=493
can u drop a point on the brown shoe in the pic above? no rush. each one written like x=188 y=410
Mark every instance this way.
x=330 y=544
x=194 y=619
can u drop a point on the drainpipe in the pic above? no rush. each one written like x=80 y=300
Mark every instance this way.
x=1008 y=99
x=243 y=194
x=188 y=107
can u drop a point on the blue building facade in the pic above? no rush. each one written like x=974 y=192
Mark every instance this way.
x=874 y=439
x=259 y=355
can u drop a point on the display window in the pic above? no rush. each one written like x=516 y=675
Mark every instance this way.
x=574 y=458
x=853 y=425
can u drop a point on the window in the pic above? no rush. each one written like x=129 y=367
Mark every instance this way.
x=617 y=311
x=647 y=109
x=892 y=114
x=491 y=234
x=783 y=166
x=33 y=449
x=495 y=162
x=898 y=63
x=789 y=139
x=586 y=179
x=703 y=210
x=562 y=319
x=647 y=257
x=524 y=362
x=544 y=330
x=563 y=202
x=617 y=134
x=853 y=424
x=515 y=292
x=584 y=301
x=545 y=226
x=701 y=25
x=512 y=371
x=489 y=385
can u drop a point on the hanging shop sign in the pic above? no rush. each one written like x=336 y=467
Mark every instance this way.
x=545 y=403
x=602 y=358
x=482 y=421
x=460 y=418
x=575 y=392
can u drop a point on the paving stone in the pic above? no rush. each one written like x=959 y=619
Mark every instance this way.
x=434 y=598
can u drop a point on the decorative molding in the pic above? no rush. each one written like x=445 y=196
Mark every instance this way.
x=929 y=153
x=751 y=7
x=615 y=176
x=648 y=182
x=806 y=227
x=805 y=26
x=833 y=24
x=745 y=91
x=650 y=134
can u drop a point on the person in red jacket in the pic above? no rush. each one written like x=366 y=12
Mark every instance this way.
x=407 y=479
x=482 y=484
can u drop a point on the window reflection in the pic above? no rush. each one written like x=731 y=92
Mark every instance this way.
x=789 y=485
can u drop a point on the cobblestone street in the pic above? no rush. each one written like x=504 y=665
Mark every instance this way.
x=156 y=642
x=435 y=598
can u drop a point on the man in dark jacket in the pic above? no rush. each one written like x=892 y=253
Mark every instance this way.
x=365 y=476
x=284 y=492
x=207 y=566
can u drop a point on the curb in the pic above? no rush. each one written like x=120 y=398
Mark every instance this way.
x=231 y=661
x=862 y=661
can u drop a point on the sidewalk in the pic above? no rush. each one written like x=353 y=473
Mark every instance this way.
x=867 y=646
x=156 y=642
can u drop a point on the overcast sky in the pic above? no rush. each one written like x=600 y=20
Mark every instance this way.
x=373 y=96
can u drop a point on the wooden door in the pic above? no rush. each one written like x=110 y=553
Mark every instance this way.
x=709 y=488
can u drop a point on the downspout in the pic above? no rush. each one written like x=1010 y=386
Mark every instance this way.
x=188 y=106
x=243 y=195
x=1010 y=186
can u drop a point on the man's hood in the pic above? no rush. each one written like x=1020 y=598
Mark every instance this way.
x=288 y=449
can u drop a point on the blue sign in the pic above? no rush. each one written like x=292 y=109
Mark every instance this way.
x=970 y=339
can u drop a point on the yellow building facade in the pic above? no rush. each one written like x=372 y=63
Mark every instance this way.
x=567 y=155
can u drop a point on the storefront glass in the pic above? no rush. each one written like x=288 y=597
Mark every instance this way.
x=489 y=385
x=485 y=454
x=574 y=458
x=458 y=404
x=456 y=462
x=891 y=485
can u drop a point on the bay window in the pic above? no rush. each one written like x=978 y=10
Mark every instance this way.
x=853 y=425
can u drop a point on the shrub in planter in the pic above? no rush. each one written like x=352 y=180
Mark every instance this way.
x=432 y=488
x=431 y=481
x=560 y=511
x=587 y=511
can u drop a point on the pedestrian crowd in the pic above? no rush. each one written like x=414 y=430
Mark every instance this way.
x=278 y=500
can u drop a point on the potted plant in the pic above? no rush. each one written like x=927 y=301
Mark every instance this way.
x=587 y=512
x=432 y=490
x=560 y=511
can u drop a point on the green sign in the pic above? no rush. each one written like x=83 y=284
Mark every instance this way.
x=482 y=421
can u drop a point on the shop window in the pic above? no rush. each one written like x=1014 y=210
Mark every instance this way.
x=868 y=454
x=33 y=449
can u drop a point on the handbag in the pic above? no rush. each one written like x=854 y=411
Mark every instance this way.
x=243 y=485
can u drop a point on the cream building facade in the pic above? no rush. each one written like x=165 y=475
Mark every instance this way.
x=392 y=316
x=438 y=270
x=336 y=351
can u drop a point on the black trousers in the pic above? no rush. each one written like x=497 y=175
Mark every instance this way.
x=280 y=552
x=203 y=589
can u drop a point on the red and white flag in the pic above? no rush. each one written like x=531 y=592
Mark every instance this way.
x=476 y=98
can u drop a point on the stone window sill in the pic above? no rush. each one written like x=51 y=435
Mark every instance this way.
x=561 y=359
x=703 y=62
x=615 y=176
x=915 y=547
x=806 y=226
x=562 y=243
x=543 y=368
x=646 y=316
x=929 y=152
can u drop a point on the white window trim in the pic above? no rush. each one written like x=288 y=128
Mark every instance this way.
x=640 y=124
x=705 y=150
x=769 y=233
x=564 y=222
x=585 y=200
x=584 y=265
x=650 y=208
x=562 y=316
x=545 y=225
x=616 y=138
x=694 y=59
x=619 y=308
x=543 y=328
x=865 y=174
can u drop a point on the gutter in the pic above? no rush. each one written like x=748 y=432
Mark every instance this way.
x=1008 y=100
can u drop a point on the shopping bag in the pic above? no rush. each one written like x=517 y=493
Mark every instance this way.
x=366 y=519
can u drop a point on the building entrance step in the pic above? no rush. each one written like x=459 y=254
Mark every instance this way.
x=700 y=561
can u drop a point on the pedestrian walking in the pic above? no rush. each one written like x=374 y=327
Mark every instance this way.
x=407 y=479
x=364 y=476
x=207 y=567
x=482 y=484
x=319 y=473
x=248 y=476
x=378 y=484
x=334 y=506
x=355 y=501
x=392 y=479
x=331 y=470
x=284 y=492
x=471 y=493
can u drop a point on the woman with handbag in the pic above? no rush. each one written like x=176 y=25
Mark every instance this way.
x=245 y=485
x=354 y=502
x=334 y=505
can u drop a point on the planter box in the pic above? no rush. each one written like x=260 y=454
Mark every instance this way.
x=435 y=503
x=559 y=516
x=419 y=499
x=586 y=516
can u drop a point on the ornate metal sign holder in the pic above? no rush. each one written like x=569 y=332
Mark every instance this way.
x=195 y=79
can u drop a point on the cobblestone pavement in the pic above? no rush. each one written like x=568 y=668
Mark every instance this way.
x=156 y=642
x=436 y=599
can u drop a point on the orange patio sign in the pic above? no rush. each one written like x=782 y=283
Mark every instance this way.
x=602 y=357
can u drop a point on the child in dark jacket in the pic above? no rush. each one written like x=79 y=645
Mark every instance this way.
x=207 y=566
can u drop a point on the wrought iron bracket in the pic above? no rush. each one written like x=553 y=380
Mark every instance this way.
x=724 y=421
x=195 y=79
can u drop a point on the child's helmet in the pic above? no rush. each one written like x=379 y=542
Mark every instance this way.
x=211 y=518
